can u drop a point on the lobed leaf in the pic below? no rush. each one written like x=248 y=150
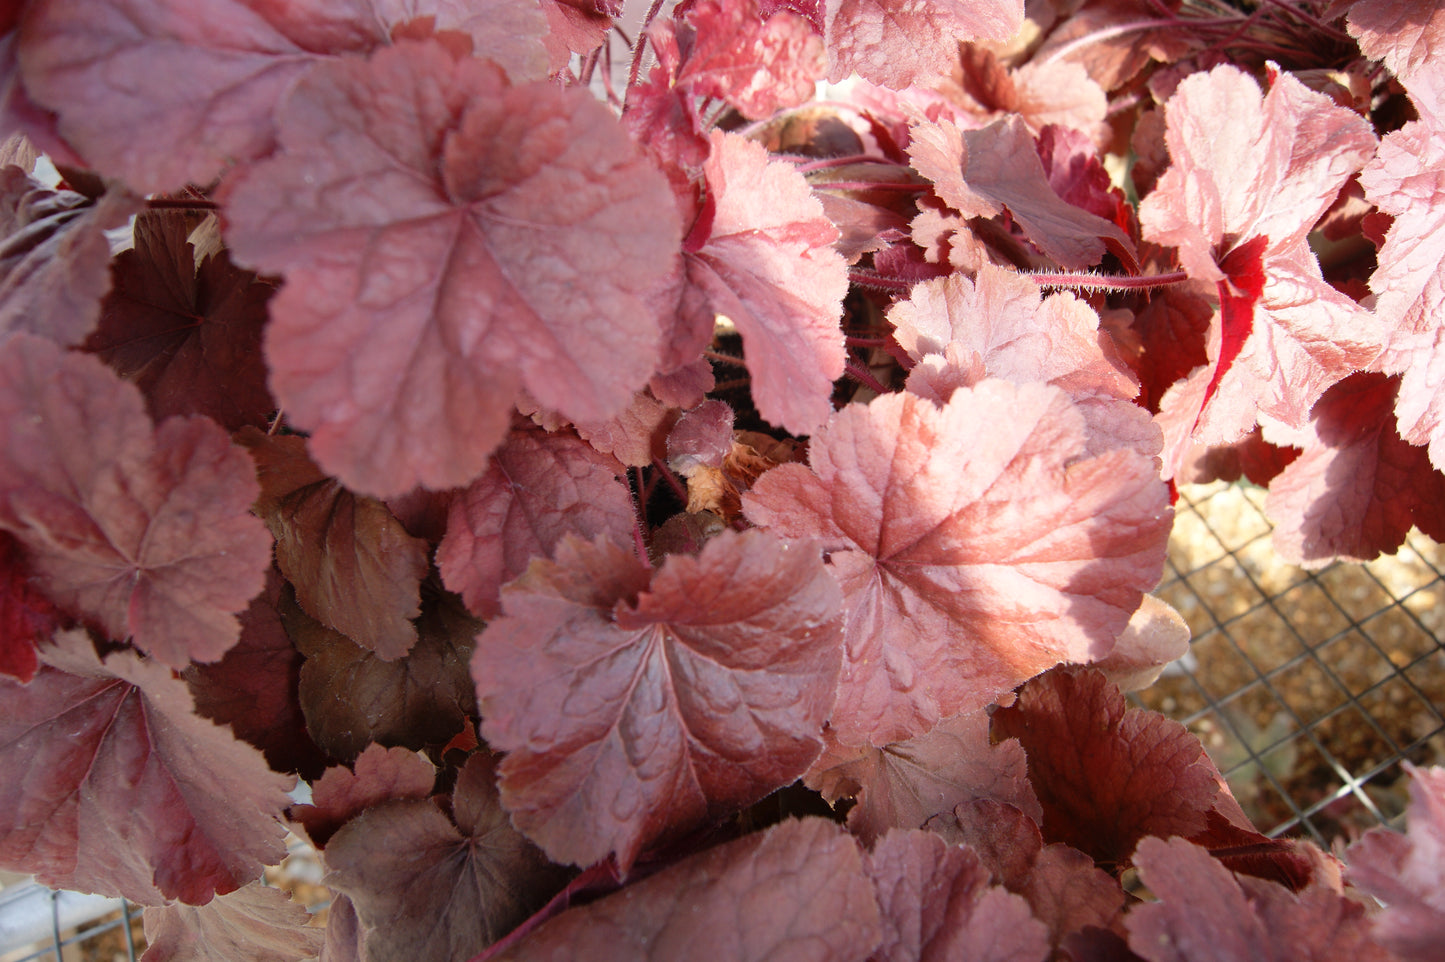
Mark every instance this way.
x=254 y=922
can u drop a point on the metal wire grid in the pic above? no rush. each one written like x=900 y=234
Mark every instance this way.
x=1308 y=689
x=64 y=947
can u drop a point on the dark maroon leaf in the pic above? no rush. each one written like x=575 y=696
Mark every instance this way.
x=537 y=488
x=425 y=888
x=795 y=891
x=147 y=530
x=937 y=903
x=255 y=923
x=351 y=697
x=254 y=688
x=185 y=327
x=687 y=693
x=1106 y=775
x=109 y=783
x=354 y=567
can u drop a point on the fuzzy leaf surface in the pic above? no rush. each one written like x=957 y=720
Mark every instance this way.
x=794 y=891
x=974 y=545
x=254 y=922
x=110 y=783
x=428 y=280
x=426 y=886
x=1106 y=775
x=537 y=489
x=635 y=706
x=148 y=531
x=354 y=567
x=937 y=903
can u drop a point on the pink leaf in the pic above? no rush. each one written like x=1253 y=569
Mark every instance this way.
x=768 y=266
x=1155 y=636
x=537 y=489
x=1407 y=872
x=109 y=783
x=982 y=172
x=426 y=888
x=897 y=44
x=691 y=692
x=976 y=547
x=378 y=775
x=905 y=784
x=795 y=891
x=1357 y=489
x=55 y=263
x=255 y=922
x=407 y=374
x=1206 y=914
x=147 y=531
x=1106 y=775
x=110 y=71
x=937 y=903
x=1406 y=34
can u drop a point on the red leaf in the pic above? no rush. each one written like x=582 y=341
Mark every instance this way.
x=380 y=774
x=255 y=922
x=796 y=890
x=769 y=267
x=186 y=327
x=111 y=71
x=1205 y=914
x=1077 y=175
x=897 y=44
x=975 y=547
x=424 y=888
x=937 y=903
x=1106 y=776
x=354 y=567
x=55 y=259
x=422 y=698
x=537 y=489
x=689 y=693
x=27 y=617
x=1404 y=180
x=1357 y=489
x=984 y=172
x=1406 y=872
x=254 y=688
x=109 y=783
x=905 y=784
x=407 y=375
x=148 y=532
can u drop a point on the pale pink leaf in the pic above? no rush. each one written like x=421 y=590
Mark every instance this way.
x=896 y=43
x=427 y=280
x=1155 y=636
x=975 y=545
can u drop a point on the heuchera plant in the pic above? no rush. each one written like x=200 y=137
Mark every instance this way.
x=687 y=485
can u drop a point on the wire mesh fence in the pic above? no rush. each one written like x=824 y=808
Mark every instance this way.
x=1308 y=689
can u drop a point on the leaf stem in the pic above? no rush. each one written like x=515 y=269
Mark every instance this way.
x=864 y=277
x=864 y=377
x=1105 y=282
x=171 y=203
x=634 y=70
